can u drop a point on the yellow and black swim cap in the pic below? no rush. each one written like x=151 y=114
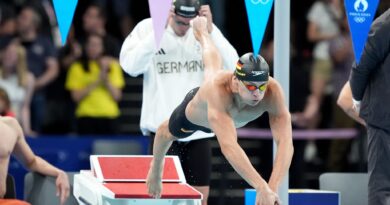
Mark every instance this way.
x=251 y=68
x=186 y=8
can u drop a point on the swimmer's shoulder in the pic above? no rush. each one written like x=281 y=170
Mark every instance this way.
x=12 y=123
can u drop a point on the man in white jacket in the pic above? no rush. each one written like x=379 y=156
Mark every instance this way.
x=169 y=73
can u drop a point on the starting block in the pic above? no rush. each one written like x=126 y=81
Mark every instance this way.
x=121 y=180
x=302 y=197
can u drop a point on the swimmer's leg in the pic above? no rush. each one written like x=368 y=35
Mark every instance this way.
x=162 y=141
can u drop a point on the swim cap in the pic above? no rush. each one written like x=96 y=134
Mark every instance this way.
x=186 y=8
x=249 y=68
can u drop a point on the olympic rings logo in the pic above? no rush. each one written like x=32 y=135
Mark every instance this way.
x=359 y=19
x=260 y=1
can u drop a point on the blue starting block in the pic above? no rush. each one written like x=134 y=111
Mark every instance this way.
x=302 y=197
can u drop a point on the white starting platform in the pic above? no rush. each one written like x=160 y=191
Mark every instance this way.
x=121 y=180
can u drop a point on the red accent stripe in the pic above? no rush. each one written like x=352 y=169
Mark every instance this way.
x=133 y=168
x=139 y=190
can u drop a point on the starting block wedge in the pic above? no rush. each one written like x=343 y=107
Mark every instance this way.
x=121 y=180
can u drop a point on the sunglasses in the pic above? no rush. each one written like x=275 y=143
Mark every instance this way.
x=252 y=88
x=181 y=23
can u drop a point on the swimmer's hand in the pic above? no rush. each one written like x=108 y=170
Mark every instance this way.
x=267 y=197
x=153 y=181
x=206 y=12
x=199 y=25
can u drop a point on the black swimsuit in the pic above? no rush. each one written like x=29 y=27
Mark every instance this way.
x=179 y=125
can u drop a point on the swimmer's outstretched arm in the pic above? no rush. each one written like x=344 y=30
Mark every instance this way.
x=223 y=126
x=280 y=123
x=211 y=56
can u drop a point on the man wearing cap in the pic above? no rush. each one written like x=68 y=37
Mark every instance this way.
x=226 y=100
x=169 y=72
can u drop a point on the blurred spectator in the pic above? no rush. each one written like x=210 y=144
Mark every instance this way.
x=17 y=81
x=51 y=24
x=96 y=83
x=60 y=105
x=324 y=24
x=341 y=53
x=94 y=22
x=41 y=61
x=71 y=52
x=324 y=18
x=121 y=10
x=13 y=7
x=7 y=20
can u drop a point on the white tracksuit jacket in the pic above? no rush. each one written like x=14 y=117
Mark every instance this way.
x=170 y=71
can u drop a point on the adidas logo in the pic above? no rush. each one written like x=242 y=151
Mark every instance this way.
x=160 y=52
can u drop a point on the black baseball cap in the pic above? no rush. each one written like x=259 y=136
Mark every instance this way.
x=186 y=8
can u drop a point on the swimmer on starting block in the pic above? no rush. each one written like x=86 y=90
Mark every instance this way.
x=224 y=101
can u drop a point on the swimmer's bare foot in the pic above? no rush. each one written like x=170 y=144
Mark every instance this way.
x=153 y=181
